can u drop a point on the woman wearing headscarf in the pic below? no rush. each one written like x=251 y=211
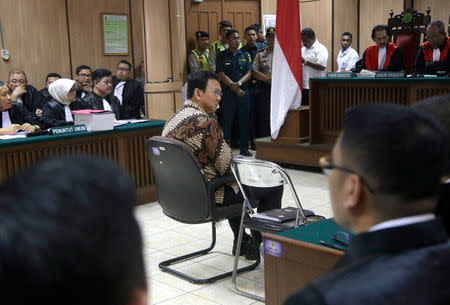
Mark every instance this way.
x=14 y=116
x=57 y=112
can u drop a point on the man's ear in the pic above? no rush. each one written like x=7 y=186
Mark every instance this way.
x=138 y=297
x=197 y=93
x=354 y=192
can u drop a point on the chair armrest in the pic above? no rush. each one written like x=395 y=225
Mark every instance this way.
x=217 y=182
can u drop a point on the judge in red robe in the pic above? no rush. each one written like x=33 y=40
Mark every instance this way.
x=384 y=56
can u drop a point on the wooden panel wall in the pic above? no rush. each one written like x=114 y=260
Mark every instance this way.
x=35 y=33
x=373 y=13
x=440 y=10
x=241 y=13
x=86 y=29
x=345 y=20
x=165 y=53
x=318 y=16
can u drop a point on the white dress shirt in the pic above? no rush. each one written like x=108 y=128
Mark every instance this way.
x=6 y=120
x=347 y=59
x=436 y=54
x=318 y=54
x=118 y=91
x=404 y=221
x=106 y=105
x=68 y=114
x=381 y=58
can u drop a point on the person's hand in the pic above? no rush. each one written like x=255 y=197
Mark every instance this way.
x=240 y=92
x=18 y=92
x=269 y=79
x=39 y=112
x=27 y=127
x=12 y=129
x=87 y=88
x=303 y=60
x=234 y=86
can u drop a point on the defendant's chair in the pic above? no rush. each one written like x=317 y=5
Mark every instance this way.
x=259 y=173
x=186 y=196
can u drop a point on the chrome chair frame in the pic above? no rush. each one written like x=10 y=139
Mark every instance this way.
x=247 y=208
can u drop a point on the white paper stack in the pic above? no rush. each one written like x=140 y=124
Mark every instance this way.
x=95 y=121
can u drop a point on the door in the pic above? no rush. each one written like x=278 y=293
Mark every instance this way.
x=205 y=16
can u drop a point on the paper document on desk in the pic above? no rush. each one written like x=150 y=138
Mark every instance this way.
x=278 y=215
x=12 y=136
x=131 y=121
x=95 y=121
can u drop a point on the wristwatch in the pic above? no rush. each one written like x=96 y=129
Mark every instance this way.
x=239 y=83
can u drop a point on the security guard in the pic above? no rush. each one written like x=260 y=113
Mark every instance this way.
x=234 y=68
x=262 y=71
x=252 y=47
x=202 y=58
x=222 y=44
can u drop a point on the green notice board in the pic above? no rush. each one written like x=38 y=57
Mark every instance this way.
x=115 y=34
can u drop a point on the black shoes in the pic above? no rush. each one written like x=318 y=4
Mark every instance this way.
x=248 y=248
x=245 y=153
x=252 y=145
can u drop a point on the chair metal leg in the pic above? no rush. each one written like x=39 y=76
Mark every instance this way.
x=164 y=266
x=236 y=262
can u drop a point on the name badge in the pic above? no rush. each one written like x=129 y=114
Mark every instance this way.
x=228 y=64
x=242 y=59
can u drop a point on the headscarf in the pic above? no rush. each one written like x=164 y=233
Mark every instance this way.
x=60 y=88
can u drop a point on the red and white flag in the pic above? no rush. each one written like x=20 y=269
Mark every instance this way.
x=287 y=74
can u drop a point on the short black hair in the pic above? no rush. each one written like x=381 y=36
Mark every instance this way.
x=199 y=80
x=200 y=34
x=347 y=34
x=98 y=74
x=229 y=32
x=308 y=32
x=257 y=27
x=381 y=27
x=251 y=27
x=69 y=233
x=82 y=67
x=52 y=74
x=399 y=151
x=437 y=23
x=126 y=62
x=439 y=108
x=225 y=23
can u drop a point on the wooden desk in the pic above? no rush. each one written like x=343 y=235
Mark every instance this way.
x=125 y=145
x=330 y=97
x=302 y=260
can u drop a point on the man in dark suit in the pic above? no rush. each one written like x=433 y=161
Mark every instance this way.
x=384 y=176
x=128 y=91
x=439 y=108
x=23 y=93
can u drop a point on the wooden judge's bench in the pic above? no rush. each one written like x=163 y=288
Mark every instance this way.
x=303 y=144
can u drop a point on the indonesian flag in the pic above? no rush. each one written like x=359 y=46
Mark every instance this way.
x=287 y=64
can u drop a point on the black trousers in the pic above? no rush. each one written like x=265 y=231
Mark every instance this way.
x=305 y=97
x=269 y=198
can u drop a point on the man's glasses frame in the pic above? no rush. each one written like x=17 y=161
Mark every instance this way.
x=327 y=166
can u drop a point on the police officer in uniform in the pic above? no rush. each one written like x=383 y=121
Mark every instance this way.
x=202 y=58
x=252 y=47
x=262 y=71
x=234 y=68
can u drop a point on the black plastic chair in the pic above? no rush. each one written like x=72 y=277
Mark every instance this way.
x=186 y=196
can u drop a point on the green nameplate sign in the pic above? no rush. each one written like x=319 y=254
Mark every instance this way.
x=390 y=74
x=340 y=74
x=67 y=129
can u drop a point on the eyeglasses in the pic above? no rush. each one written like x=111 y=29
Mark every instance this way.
x=18 y=81
x=85 y=75
x=327 y=166
x=216 y=92
x=434 y=37
x=123 y=69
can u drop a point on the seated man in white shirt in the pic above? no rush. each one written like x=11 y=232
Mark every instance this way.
x=384 y=175
x=347 y=56
x=314 y=60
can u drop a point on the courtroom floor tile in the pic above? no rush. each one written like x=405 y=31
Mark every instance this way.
x=165 y=238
